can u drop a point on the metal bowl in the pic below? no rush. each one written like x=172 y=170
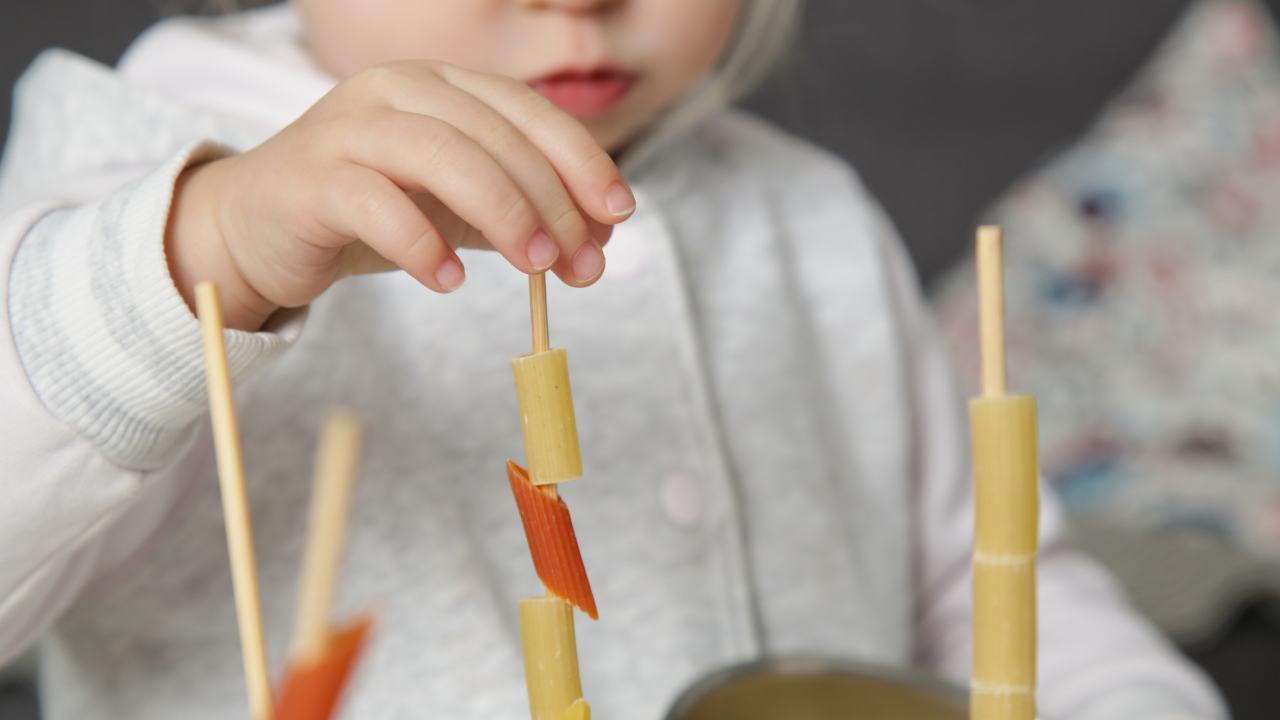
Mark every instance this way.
x=818 y=689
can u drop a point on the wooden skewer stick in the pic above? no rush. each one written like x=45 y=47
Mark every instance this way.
x=991 y=310
x=538 y=313
x=1005 y=468
x=541 y=334
x=336 y=461
x=235 y=504
x=546 y=624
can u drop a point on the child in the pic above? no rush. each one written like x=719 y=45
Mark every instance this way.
x=775 y=455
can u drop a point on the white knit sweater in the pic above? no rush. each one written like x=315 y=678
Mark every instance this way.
x=775 y=458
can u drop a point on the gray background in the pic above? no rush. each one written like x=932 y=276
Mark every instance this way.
x=940 y=104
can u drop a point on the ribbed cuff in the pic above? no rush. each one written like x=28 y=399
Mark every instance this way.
x=109 y=345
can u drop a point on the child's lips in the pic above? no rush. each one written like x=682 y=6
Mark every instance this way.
x=584 y=95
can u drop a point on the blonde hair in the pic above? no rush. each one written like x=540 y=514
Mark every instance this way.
x=765 y=32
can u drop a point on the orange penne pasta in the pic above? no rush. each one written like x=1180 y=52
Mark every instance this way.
x=311 y=692
x=552 y=544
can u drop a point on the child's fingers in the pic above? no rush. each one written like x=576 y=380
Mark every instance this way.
x=527 y=166
x=361 y=259
x=585 y=266
x=367 y=206
x=455 y=230
x=419 y=152
x=600 y=232
x=585 y=168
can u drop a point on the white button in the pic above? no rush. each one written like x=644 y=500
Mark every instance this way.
x=681 y=499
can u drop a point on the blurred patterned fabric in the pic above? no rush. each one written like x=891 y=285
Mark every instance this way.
x=1143 y=310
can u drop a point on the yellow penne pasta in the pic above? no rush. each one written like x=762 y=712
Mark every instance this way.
x=550 y=656
x=579 y=710
x=546 y=416
x=1005 y=544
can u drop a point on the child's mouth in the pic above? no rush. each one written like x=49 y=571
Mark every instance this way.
x=584 y=95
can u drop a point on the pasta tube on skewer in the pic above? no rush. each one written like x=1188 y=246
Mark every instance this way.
x=550 y=657
x=311 y=690
x=547 y=421
x=546 y=416
x=579 y=710
x=1006 y=537
x=552 y=543
x=551 y=448
x=322 y=658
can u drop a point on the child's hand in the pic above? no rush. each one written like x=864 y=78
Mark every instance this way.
x=396 y=166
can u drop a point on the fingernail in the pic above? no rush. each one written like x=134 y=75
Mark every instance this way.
x=450 y=275
x=619 y=201
x=541 y=251
x=588 y=263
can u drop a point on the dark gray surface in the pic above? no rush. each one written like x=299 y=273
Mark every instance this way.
x=941 y=104
x=100 y=29
x=18 y=702
x=1244 y=663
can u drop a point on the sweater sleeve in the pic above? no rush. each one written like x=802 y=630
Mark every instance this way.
x=102 y=385
x=108 y=344
x=1098 y=659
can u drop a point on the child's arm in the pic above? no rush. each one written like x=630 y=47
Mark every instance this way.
x=94 y=437
x=101 y=377
x=1098 y=659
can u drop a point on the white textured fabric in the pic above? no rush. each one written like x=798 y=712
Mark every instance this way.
x=1137 y=701
x=108 y=343
x=765 y=339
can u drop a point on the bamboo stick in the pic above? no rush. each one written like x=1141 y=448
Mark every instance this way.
x=1006 y=533
x=538 y=313
x=991 y=309
x=235 y=504
x=541 y=333
x=335 y=471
